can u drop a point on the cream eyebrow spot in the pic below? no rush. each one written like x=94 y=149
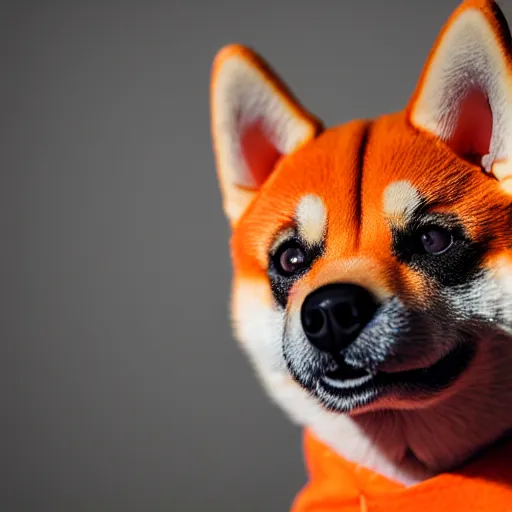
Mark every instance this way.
x=400 y=199
x=311 y=218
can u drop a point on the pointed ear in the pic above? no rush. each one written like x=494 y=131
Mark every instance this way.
x=464 y=95
x=255 y=120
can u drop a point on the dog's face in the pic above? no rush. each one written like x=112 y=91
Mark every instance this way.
x=374 y=273
x=371 y=260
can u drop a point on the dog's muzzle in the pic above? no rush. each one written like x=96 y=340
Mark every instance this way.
x=334 y=315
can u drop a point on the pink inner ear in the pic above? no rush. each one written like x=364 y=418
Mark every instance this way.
x=259 y=152
x=472 y=136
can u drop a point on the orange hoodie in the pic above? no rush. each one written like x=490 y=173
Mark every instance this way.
x=336 y=485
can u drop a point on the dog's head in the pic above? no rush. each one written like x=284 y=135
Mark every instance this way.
x=371 y=260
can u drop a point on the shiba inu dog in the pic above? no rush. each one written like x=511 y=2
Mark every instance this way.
x=372 y=261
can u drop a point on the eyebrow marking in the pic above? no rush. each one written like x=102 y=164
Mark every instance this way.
x=311 y=218
x=400 y=200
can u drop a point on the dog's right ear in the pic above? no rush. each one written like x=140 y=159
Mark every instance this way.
x=255 y=120
x=464 y=95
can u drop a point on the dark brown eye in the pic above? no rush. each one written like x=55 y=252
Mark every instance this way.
x=290 y=259
x=435 y=240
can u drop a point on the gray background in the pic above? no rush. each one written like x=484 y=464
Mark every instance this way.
x=122 y=388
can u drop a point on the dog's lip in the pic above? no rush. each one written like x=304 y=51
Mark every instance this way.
x=344 y=371
x=438 y=375
x=345 y=376
x=348 y=383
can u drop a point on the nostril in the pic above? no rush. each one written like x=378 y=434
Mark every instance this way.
x=314 y=321
x=346 y=316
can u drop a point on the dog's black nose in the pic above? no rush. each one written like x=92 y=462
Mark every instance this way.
x=334 y=315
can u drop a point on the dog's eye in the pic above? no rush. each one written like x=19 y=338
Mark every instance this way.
x=435 y=240
x=290 y=258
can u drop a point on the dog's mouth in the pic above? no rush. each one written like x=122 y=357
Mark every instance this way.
x=358 y=387
x=347 y=377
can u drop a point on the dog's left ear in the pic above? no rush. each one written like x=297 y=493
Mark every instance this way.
x=464 y=95
x=255 y=120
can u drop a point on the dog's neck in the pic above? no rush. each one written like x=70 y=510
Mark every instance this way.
x=412 y=445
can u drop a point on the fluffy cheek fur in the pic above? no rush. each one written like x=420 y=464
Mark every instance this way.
x=488 y=299
x=259 y=328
